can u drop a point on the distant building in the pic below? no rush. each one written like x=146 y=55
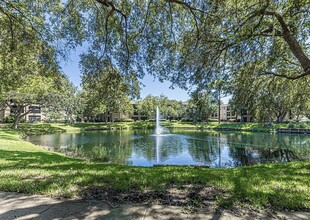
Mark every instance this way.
x=227 y=113
x=35 y=114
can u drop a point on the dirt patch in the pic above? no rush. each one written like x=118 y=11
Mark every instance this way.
x=186 y=195
x=192 y=198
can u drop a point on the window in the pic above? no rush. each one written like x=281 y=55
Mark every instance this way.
x=33 y=118
x=17 y=109
x=228 y=113
x=35 y=109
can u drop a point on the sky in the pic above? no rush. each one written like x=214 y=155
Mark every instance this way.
x=151 y=85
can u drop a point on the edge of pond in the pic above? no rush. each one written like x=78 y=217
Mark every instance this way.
x=280 y=130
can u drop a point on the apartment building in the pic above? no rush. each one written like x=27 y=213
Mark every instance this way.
x=35 y=113
x=227 y=114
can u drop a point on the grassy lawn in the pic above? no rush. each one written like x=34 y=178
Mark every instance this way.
x=27 y=168
x=42 y=128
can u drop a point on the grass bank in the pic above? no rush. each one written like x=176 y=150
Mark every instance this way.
x=27 y=168
x=42 y=128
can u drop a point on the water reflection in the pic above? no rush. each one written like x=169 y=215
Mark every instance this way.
x=141 y=148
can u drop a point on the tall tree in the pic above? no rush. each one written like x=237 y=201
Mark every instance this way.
x=203 y=103
x=107 y=90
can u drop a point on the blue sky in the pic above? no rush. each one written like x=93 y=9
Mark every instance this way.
x=152 y=86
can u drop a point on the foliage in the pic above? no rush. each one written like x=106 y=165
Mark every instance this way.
x=29 y=71
x=270 y=100
x=290 y=125
x=105 y=90
x=192 y=42
x=67 y=105
x=209 y=44
x=169 y=109
x=201 y=105
x=9 y=119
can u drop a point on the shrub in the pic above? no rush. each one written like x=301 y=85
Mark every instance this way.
x=9 y=119
x=212 y=120
x=186 y=120
x=231 y=120
x=290 y=125
x=126 y=120
x=302 y=125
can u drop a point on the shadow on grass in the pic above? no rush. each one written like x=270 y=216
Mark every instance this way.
x=277 y=185
x=21 y=206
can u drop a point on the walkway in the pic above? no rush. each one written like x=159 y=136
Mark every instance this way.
x=23 y=206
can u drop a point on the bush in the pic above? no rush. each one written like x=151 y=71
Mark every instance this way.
x=126 y=120
x=173 y=120
x=302 y=125
x=213 y=120
x=9 y=119
x=186 y=120
x=231 y=120
x=290 y=125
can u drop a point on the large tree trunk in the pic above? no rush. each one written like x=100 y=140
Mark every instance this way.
x=219 y=109
x=106 y=118
x=16 y=122
x=280 y=117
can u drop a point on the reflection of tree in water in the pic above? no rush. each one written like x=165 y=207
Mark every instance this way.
x=267 y=148
x=169 y=146
x=206 y=148
x=113 y=147
x=225 y=149
x=115 y=153
x=248 y=148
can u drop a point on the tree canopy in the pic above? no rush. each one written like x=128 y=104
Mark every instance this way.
x=182 y=41
x=186 y=42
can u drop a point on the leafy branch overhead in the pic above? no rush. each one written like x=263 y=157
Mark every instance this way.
x=177 y=40
x=197 y=34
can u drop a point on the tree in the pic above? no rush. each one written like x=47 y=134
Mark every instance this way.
x=106 y=91
x=169 y=109
x=69 y=104
x=147 y=107
x=202 y=104
x=267 y=98
x=34 y=91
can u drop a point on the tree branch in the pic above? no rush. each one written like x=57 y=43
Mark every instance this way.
x=292 y=42
x=293 y=77
x=110 y=4
x=186 y=5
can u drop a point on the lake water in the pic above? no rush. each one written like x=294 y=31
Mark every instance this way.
x=214 y=149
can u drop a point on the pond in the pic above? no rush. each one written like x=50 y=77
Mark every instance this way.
x=207 y=148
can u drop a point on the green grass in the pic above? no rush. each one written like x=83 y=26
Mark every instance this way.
x=248 y=126
x=42 y=128
x=27 y=168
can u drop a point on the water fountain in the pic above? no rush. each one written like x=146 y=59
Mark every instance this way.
x=158 y=128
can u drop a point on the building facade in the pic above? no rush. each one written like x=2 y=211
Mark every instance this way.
x=35 y=114
x=227 y=114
